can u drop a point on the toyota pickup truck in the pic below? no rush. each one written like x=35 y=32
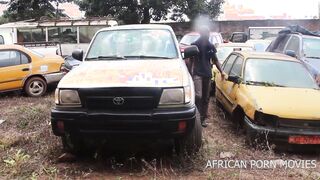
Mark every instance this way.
x=132 y=83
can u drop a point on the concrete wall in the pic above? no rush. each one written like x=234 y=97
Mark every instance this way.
x=227 y=27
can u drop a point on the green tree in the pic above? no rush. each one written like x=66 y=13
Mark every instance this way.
x=134 y=11
x=19 y=10
x=194 y=8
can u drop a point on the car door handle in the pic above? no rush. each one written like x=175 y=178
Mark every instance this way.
x=25 y=69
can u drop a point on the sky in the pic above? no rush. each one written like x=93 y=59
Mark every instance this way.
x=294 y=8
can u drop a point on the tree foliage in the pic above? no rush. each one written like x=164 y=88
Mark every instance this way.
x=132 y=11
x=32 y=9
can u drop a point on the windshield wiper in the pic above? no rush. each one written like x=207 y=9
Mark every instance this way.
x=106 y=57
x=146 y=57
x=313 y=57
x=259 y=83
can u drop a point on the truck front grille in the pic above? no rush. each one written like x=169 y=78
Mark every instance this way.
x=128 y=98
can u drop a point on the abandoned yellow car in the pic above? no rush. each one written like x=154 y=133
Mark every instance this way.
x=272 y=95
x=22 y=68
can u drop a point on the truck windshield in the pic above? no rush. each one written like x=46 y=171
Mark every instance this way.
x=311 y=47
x=133 y=44
x=269 y=72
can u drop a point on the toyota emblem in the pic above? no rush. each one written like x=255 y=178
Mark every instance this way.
x=118 y=101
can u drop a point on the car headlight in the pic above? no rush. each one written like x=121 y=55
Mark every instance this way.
x=67 y=97
x=176 y=96
x=266 y=119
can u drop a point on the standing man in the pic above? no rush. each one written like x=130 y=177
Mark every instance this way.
x=202 y=73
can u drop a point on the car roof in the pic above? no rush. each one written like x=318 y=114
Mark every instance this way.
x=138 y=26
x=11 y=46
x=235 y=45
x=266 y=55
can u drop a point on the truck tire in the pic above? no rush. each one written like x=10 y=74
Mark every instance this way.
x=191 y=143
x=35 y=87
x=75 y=145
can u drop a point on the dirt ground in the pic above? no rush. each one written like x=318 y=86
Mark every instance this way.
x=29 y=150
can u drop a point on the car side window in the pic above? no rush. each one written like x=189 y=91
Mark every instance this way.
x=294 y=44
x=24 y=59
x=228 y=64
x=237 y=67
x=10 y=58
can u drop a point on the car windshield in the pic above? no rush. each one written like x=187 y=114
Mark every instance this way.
x=311 y=47
x=133 y=44
x=282 y=73
x=188 y=39
x=224 y=52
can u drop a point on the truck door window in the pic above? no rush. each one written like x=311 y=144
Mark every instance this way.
x=282 y=44
x=293 y=44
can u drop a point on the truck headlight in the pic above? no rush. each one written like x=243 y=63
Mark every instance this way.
x=177 y=96
x=172 y=96
x=67 y=97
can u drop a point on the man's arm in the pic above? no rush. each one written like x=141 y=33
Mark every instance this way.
x=218 y=65
x=216 y=62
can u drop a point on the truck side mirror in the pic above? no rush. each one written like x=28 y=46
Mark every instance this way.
x=77 y=54
x=291 y=53
x=190 y=51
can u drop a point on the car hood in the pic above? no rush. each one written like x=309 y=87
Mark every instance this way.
x=295 y=103
x=126 y=73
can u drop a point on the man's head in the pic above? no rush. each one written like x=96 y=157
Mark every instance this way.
x=204 y=32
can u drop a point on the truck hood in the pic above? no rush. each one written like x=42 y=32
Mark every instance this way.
x=314 y=62
x=294 y=103
x=126 y=73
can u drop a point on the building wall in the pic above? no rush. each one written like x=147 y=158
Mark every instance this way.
x=227 y=27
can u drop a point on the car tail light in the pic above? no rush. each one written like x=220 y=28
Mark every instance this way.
x=182 y=126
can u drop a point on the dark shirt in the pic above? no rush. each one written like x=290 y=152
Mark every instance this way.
x=202 y=64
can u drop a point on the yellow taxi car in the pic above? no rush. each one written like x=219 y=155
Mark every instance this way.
x=272 y=95
x=22 y=68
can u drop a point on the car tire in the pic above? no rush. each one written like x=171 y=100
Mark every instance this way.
x=192 y=142
x=35 y=87
x=254 y=140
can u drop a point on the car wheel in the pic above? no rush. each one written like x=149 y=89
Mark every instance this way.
x=191 y=143
x=254 y=140
x=35 y=87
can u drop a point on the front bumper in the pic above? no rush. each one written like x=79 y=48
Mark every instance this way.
x=277 y=135
x=54 y=77
x=160 y=123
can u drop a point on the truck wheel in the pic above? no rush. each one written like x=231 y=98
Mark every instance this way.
x=35 y=87
x=74 y=145
x=191 y=143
